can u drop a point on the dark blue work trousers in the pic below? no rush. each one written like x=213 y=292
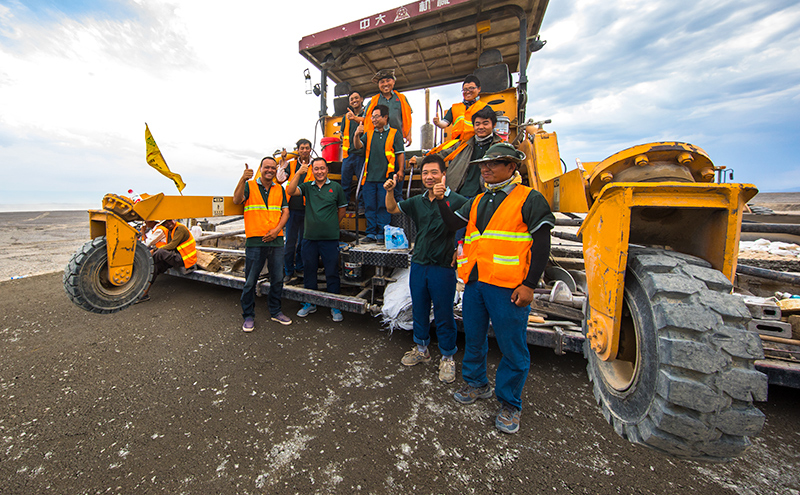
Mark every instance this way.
x=329 y=252
x=375 y=209
x=254 y=259
x=437 y=285
x=483 y=302
x=293 y=258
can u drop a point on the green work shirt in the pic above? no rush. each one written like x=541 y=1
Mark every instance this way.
x=472 y=179
x=395 y=111
x=434 y=244
x=535 y=213
x=256 y=241
x=378 y=163
x=322 y=210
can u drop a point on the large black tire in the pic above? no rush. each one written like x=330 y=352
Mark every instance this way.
x=683 y=382
x=87 y=284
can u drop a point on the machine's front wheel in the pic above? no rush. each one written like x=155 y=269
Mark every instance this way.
x=87 y=284
x=683 y=382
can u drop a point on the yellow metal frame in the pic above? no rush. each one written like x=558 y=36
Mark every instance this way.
x=703 y=220
x=120 y=243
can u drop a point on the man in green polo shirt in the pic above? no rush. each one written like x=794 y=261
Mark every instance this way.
x=432 y=277
x=325 y=207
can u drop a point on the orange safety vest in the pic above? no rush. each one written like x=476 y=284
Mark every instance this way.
x=404 y=107
x=462 y=119
x=503 y=251
x=346 y=137
x=162 y=242
x=293 y=171
x=260 y=218
x=187 y=250
x=389 y=150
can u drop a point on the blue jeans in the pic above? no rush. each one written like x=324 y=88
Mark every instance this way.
x=352 y=165
x=375 y=209
x=294 y=242
x=481 y=303
x=437 y=284
x=254 y=259
x=398 y=190
x=329 y=252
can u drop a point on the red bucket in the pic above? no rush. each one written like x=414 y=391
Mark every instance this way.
x=331 y=149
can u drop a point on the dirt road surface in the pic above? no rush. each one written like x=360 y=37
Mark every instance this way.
x=170 y=396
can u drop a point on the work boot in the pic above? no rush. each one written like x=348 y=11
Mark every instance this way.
x=447 y=370
x=469 y=394
x=507 y=419
x=413 y=357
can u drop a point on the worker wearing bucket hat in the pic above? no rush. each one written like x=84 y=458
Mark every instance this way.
x=505 y=251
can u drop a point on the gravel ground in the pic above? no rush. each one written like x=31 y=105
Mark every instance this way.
x=171 y=396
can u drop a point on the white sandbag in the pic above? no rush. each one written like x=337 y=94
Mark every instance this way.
x=396 y=310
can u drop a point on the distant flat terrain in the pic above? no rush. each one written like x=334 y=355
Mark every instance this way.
x=40 y=241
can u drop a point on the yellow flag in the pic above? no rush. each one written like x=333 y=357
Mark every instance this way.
x=156 y=161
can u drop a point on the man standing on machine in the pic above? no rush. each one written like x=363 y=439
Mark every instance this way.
x=293 y=260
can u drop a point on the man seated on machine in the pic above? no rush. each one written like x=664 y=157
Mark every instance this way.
x=179 y=251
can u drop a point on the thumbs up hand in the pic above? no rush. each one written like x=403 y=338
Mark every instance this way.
x=302 y=171
x=248 y=172
x=390 y=183
x=439 y=189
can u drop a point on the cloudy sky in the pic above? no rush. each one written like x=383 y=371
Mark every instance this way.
x=221 y=84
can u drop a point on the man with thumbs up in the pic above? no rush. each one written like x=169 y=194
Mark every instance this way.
x=432 y=277
x=506 y=248
x=265 y=214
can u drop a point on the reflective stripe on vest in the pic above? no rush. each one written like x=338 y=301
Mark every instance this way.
x=187 y=250
x=260 y=218
x=462 y=119
x=388 y=150
x=503 y=251
x=345 y=137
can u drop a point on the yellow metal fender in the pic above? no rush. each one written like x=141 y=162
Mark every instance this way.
x=700 y=219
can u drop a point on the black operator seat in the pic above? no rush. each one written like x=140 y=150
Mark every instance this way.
x=492 y=72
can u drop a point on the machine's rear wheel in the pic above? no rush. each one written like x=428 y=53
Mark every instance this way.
x=683 y=382
x=87 y=284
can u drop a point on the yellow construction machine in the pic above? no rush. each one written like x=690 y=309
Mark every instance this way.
x=668 y=346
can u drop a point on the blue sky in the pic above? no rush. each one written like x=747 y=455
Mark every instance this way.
x=221 y=86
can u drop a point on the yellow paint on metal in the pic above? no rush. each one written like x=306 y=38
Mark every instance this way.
x=161 y=207
x=567 y=193
x=545 y=153
x=120 y=243
x=700 y=219
x=693 y=159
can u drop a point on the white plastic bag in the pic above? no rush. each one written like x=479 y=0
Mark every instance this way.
x=396 y=310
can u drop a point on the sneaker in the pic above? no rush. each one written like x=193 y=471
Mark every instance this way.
x=413 y=357
x=306 y=310
x=248 y=325
x=337 y=314
x=282 y=319
x=288 y=277
x=368 y=240
x=447 y=370
x=507 y=419
x=469 y=394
